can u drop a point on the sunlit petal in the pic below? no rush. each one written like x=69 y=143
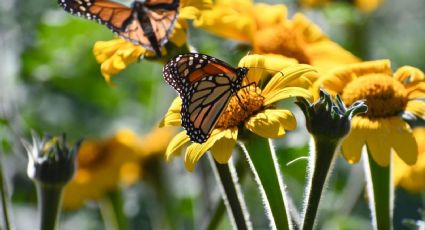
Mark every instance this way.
x=289 y=74
x=172 y=118
x=223 y=147
x=352 y=145
x=271 y=123
x=284 y=93
x=417 y=107
x=195 y=151
x=176 y=144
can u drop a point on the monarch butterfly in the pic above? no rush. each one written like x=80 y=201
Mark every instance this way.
x=205 y=85
x=148 y=24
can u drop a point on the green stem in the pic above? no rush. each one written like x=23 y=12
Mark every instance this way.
x=381 y=193
x=263 y=163
x=320 y=161
x=232 y=195
x=4 y=200
x=220 y=208
x=217 y=215
x=49 y=204
x=112 y=211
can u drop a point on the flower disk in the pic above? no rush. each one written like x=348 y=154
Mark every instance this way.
x=237 y=111
x=379 y=90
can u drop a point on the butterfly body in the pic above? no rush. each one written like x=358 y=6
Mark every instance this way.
x=148 y=23
x=205 y=85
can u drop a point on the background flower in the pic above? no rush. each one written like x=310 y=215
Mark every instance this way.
x=387 y=95
x=266 y=28
x=105 y=164
x=412 y=178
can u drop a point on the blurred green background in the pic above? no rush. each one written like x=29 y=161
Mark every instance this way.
x=50 y=82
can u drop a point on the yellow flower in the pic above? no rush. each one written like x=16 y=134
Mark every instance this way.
x=116 y=54
x=258 y=114
x=387 y=95
x=412 y=178
x=105 y=164
x=363 y=5
x=268 y=30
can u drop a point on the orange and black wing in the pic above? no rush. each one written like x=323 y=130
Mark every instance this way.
x=114 y=15
x=154 y=25
x=205 y=85
x=148 y=24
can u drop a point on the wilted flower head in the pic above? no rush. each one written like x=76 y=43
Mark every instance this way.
x=50 y=161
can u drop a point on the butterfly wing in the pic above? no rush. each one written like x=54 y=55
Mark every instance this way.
x=153 y=28
x=114 y=15
x=150 y=26
x=205 y=85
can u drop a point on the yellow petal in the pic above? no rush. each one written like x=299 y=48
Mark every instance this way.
x=284 y=93
x=276 y=14
x=416 y=107
x=223 y=147
x=409 y=74
x=102 y=50
x=289 y=74
x=179 y=36
x=386 y=133
x=176 y=144
x=172 y=118
x=352 y=145
x=403 y=141
x=227 y=23
x=198 y=4
x=416 y=90
x=116 y=55
x=195 y=151
x=378 y=147
x=275 y=62
x=255 y=63
x=367 y=5
x=271 y=123
x=327 y=55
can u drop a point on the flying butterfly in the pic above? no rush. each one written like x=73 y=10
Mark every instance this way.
x=147 y=23
x=205 y=85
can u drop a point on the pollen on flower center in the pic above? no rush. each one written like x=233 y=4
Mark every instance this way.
x=384 y=95
x=237 y=111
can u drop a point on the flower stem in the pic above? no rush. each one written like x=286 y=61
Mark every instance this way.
x=380 y=193
x=217 y=215
x=49 y=204
x=4 y=200
x=112 y=211
x=320 y=165
x=232 y=196
x=263 y=163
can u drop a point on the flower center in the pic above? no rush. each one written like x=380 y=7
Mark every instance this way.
x=237 y=111
x=384 y=95
x=91 y=154
x=280 y=40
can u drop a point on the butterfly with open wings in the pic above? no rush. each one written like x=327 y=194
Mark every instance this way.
x=205 y=85
x=147 y=23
